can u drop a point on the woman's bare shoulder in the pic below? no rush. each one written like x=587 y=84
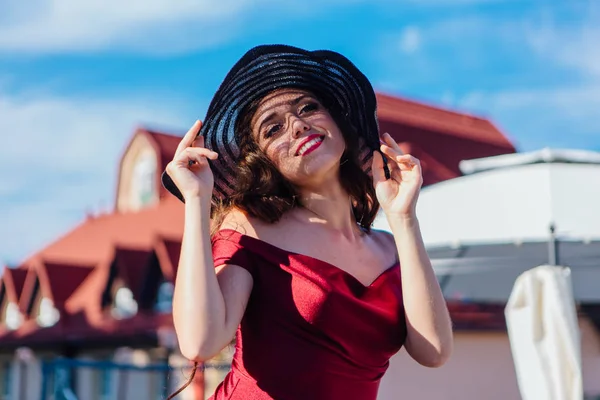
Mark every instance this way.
x=245 y=224
x=384 y=238
x=239 y=221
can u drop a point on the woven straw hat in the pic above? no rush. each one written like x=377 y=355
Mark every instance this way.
x=263 y=69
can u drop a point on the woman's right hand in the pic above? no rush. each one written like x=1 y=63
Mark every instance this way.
x=189 y=168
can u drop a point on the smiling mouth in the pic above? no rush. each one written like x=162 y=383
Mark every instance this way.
x=310 y=145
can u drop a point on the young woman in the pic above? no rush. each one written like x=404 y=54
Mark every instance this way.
x=281 y=185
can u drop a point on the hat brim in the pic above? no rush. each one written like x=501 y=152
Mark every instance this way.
x=266 y=68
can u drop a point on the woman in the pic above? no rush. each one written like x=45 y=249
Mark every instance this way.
x=281 y=185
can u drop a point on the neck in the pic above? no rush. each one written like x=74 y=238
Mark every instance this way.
x=330 y=205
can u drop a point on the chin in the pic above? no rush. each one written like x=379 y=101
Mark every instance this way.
x=316 y=170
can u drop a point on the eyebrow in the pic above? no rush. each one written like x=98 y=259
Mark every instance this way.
x=292 y=102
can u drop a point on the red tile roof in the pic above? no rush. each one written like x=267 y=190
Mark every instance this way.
x=435 y=119
x=63 y=279
x=13 y=280
x=94 y=240
x=127 y=238
x=57 y=282
x=441 y=138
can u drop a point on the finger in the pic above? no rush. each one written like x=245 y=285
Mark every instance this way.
x=388 y=140
x=389 y=146
x=389 y=152
x=377 y=168
x=196 y=160
x=194 y=155
x=406 y=161
x=391 y=164
x=189 y=137
x=202 y=152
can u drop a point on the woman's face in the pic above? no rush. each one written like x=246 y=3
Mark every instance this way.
x=298 y=135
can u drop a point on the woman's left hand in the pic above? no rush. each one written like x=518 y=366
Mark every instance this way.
x=397 y=195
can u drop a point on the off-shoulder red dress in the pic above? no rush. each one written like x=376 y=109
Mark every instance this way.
x=311 y=331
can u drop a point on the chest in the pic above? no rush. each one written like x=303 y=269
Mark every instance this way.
x=363 y=260
x=301 y=294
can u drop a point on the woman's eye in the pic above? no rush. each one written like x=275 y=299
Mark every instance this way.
x=309 y=107
x=273 y=129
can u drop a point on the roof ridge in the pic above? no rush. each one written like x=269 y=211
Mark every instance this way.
x=432 y=106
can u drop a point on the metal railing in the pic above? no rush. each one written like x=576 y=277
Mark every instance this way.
x=72 y=379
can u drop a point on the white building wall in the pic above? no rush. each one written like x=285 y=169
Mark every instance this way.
x=511 y=204
x=481 y=367
x=575 y=198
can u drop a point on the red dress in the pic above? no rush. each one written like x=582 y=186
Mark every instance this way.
x=311 y=331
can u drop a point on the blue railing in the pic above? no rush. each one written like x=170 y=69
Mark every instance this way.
x=57 y=377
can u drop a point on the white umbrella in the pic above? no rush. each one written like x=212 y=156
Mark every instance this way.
x=544 y=335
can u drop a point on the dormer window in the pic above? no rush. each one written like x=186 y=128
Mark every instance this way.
x=48 y=315
x=12 y=316
x=125 y=305
x=143 y=185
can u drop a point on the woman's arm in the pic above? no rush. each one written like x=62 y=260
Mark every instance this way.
x=429 y=340
x=429 y=328
x=208 y=304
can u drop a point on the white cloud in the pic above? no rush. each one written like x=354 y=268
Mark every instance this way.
x=155 y=27
x=150 y=26
x=565 y=116
x=573 y=44
x=548 y=63
x=410 y=40
x=59 y=156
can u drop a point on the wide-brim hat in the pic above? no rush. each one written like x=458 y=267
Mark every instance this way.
x=266 y=68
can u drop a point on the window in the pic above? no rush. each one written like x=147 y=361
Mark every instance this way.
x=125 y=305
x=143 y=185
x=164 y=297
x=13 y=317
x=47 y=315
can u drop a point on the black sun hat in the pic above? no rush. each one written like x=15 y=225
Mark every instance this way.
x=265 y=68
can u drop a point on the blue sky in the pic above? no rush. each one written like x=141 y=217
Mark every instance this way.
x=76 y=78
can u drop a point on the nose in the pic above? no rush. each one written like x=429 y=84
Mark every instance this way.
x=299 y=126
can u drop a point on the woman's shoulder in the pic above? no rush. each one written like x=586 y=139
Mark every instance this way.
x=384 y=239
x=237 y=220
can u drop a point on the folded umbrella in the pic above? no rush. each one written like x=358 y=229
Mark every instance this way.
x=544 y=335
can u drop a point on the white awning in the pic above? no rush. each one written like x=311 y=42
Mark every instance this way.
x=513 y=203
